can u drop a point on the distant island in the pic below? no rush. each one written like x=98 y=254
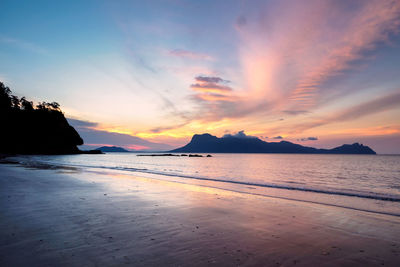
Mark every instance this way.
x=112 y=149
x=40 y=129
x=207 y=143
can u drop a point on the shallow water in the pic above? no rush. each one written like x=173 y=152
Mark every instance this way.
x=364 y=182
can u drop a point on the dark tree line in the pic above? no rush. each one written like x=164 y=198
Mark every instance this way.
x=29 y=129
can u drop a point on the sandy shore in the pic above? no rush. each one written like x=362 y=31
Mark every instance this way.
x=70 y=217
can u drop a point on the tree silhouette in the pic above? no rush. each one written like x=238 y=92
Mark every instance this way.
x=5 y=99
x=30 y=130
x=15 y=102
x=26 y=105
x=54 y=105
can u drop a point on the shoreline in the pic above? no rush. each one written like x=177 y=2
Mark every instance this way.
x=70 y=217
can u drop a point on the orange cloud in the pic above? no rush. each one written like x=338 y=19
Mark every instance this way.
x=369 y=131
x=213 y=88
x=215 y=97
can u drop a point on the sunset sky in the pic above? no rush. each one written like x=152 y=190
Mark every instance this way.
x=150 y=74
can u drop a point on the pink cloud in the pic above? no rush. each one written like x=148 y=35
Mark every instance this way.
x=381 y=104
x=373 y=24
x=289 y=52
x=211 y=89
x=214 y=97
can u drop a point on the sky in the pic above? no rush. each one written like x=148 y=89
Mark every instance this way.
x=150 y=74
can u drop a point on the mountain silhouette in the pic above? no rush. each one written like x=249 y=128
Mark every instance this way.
x=207 y=143
x=35 y=130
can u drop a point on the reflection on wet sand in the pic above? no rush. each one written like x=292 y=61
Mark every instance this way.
x=100 y=218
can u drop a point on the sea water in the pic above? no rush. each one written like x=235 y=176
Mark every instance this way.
x=369 y=183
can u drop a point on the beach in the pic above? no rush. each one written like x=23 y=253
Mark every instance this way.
x=70 y=216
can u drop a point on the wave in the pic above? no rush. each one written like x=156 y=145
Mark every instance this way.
x=275 y=186
x=294 y=187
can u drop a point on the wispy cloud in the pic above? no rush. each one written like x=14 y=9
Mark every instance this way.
x=380 y=104
x=308 y=139
x=182 y=53
x=165 y=128
x=82 y=123
x=371 y=25
x=289 y=64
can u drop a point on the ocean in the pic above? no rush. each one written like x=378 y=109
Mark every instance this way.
x=369 y=183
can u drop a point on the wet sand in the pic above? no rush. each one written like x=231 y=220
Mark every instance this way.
x=74 y=217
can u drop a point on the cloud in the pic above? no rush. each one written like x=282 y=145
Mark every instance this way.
x=292 y=51
x=210 y=79
x=240 y=134
x=381 y=104
x=295 y=112
x=189 y=54
x=308 y=139
x=82 y=123
x=165 y=128
x=94 y=138
x=277 y=137
x=211 y=84
x=212 y=97
x=370 y=107
x=211 y=89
